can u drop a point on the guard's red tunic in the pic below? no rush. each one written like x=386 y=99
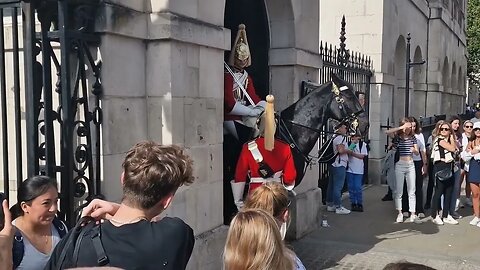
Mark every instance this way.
x=229 y=99
x=279 y=159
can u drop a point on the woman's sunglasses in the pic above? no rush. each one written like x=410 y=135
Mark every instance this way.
x=444 y=129
x=468 y=126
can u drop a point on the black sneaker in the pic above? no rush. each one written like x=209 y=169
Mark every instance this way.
x=387 y=197
x=355 y=208
x=360 y=207
x=455 y=215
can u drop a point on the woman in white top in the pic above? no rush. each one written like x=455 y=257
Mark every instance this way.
x=421 y=162
x=466 y=135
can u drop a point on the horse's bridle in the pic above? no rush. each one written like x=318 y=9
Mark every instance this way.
x=350 y=120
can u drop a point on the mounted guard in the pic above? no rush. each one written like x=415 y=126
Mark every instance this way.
x=264 y=159
x=242 y=105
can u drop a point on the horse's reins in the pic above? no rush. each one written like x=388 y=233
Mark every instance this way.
x=350 y=119
x=293 y=144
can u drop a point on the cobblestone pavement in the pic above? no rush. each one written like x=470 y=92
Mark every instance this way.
x=371 y=239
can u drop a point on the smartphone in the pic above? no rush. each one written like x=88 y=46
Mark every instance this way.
x=2 y=215
x=352 y=146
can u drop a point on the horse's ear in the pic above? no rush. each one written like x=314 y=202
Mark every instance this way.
x=334 y=77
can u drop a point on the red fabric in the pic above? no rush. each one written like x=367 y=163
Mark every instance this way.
x=229 y=100
x=279 y=159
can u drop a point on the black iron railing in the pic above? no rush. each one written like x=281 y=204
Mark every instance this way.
x=57 y=125
x=353 y=67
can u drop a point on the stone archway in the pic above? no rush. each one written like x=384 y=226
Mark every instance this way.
x=419 y=95
x=446 y=85
x=399 y=72
x=453 y=78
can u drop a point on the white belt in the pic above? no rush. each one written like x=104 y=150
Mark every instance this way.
x=277 y=177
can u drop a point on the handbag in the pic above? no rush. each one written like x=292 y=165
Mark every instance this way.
x=445 y=173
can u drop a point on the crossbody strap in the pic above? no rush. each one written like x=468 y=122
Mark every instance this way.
x=253 y=148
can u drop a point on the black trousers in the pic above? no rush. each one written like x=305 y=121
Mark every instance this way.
x=444 y=188
x=431 y=184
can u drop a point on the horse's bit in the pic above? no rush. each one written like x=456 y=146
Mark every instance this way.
x=351 y=120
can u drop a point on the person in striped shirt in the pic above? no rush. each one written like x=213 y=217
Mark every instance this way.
x=404 y=167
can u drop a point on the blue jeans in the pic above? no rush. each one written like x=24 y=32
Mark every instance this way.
x=354 y=182
x=336 y=180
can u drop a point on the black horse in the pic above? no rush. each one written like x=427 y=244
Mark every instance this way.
x=301 y=123
x=300 y=126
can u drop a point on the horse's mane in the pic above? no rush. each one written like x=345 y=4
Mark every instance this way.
x=288 y=112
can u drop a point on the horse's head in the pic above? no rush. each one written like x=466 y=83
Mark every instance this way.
x=345 y=107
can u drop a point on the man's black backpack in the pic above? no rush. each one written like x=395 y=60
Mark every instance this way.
x=18 y=249
x=66 y=255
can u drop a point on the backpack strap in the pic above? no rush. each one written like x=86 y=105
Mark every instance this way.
x=18 y=249
x=102 y=259
x=60 y=226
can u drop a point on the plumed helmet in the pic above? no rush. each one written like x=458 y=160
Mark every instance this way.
x=240 y=48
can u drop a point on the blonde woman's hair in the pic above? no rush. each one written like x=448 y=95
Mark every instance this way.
x=271 y=197
x=436 y=130
x=254 y=243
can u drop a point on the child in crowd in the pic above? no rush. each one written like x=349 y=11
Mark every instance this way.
x=355 y=171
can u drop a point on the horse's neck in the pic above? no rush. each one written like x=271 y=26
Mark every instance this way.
x=310 y=112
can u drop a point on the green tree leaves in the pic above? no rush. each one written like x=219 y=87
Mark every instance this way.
x=473 y=41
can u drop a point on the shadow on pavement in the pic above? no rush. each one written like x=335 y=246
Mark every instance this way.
x=355 y=233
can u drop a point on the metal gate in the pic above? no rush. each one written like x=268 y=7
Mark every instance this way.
x=50 y=98
x=356 y=69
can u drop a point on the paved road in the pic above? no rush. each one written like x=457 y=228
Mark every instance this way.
x=371 y=239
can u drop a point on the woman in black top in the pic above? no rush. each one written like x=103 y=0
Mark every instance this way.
x=443 y=153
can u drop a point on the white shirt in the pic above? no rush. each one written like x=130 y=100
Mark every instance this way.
x=355 y=165
x=341 y=159
x=466 y=165
x=421 y=147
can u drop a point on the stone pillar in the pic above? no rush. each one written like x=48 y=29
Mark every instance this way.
x=294 y=57
x=381 y=112
x=163 y=80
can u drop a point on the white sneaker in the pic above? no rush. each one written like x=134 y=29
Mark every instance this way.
x=437 y=220
x=399 y=218
x=458 y=205
x=475 y=221
x=421 y=215
x=331 y=208
x=450 y=220
x=342 y=211
x=414 y=218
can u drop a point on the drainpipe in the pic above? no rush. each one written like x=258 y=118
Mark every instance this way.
x=426 y=64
